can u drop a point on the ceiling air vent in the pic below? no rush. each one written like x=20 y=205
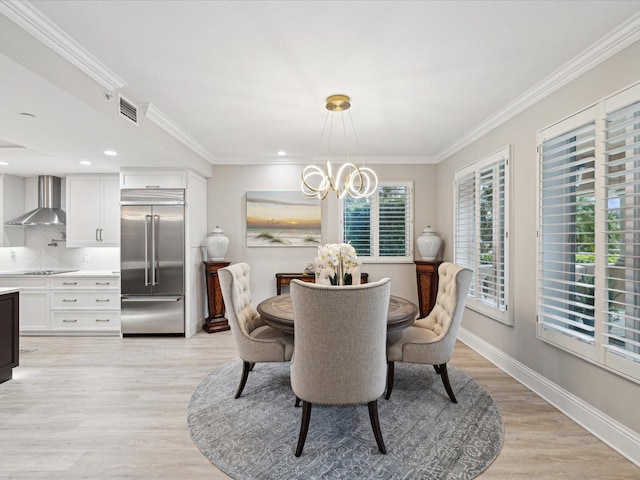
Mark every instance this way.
x=128 y=109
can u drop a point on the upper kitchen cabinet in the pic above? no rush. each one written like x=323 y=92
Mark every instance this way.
x=156 y=178
x=93 y=211
x=12 y=197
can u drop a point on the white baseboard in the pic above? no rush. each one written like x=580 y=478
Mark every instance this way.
x=622 y=439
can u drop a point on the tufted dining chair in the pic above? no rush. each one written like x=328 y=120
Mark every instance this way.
x=255 y=340
x=430 y=340
x=340 y=335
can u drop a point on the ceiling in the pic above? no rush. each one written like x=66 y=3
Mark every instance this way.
x=234 y=82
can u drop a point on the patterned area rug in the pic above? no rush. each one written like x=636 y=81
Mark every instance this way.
x=426 y=435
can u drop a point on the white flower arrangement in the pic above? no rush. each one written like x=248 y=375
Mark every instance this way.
x=336 y=261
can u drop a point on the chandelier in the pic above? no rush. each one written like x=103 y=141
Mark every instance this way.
x=349 y=179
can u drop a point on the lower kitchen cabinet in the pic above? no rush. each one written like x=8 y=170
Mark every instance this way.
x=85 y=305
x=67 y=305
x=34 y=302
x=34 y=308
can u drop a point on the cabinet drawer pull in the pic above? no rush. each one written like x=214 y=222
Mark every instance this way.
x=103 y=283
x=102 y=300
x=67 y=320
x=67 y=300
x=69 y=283
x=103 y=320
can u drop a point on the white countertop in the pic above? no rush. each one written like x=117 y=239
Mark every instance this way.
x=4 y=291
x=77 y=273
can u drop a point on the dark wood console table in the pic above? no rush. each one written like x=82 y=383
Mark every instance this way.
x=427 y=279
x=215 y=322
x=284 y=279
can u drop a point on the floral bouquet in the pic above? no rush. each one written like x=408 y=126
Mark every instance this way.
x=337 y=263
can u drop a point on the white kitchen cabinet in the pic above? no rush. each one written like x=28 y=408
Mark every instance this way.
x=153 y=178
x=34 y=311
x=34 y=302
x=93 y=211
x=85 y=305
x=12 y=197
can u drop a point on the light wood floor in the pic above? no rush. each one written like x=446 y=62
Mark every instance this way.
x=111 y=408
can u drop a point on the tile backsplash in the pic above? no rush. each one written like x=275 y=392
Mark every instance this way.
x=39 y=254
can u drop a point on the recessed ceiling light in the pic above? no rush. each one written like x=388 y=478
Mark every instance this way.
x=4 y=163
x=281 y=153
x=111 y=153
x=85 y=162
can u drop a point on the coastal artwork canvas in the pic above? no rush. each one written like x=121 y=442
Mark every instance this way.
x=283 y=218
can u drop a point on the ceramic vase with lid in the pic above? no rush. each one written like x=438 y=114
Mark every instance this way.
x=429 y=244
x=217 y=244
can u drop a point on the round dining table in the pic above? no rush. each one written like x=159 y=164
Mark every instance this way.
x=277 y=312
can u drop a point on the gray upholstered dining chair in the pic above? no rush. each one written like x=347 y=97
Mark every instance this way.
x=255 y=340
x=430 y=340
x=340 y=336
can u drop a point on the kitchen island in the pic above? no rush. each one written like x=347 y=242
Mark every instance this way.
x=9 y=332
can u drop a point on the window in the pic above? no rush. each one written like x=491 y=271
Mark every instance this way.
x=589 y=233
x=481 y=209
x=380 y=227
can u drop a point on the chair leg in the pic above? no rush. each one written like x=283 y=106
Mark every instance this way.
x=390 y=372
x=304 y=427
x=437 y=369
x=445 y=380
x=297 y=401
x=253 y=364
x=375 y=424
x=246 y=367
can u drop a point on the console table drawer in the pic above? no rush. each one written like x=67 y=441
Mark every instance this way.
x=85 y=300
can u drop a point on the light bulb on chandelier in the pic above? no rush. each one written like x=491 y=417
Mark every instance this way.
x=357 y=182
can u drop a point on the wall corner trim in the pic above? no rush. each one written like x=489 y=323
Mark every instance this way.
x=619 y=437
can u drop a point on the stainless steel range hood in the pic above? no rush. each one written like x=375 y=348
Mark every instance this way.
x=49 y=211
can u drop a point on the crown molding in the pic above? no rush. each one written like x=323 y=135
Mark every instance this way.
x=615 y=41
x=30 y=19
x=155 y=115
x=395 y=161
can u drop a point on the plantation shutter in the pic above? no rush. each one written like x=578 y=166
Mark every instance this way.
x=356 y=224
x=622 y=173
x=491 y=239
x=465 y=224
x=480 y=237
x=394 y=212
x=380 y=227
x=566 y=242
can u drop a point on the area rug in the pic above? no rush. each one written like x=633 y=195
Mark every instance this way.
x=426 y=435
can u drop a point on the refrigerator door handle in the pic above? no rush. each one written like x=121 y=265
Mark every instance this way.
x=155 y=277
x=146 y=250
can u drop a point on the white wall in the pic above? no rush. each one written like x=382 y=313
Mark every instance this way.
x=606 y=391
x=226 y=198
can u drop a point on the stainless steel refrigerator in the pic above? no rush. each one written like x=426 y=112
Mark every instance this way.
x=152 y=261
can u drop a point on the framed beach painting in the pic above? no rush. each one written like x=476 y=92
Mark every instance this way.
x=283 y=219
